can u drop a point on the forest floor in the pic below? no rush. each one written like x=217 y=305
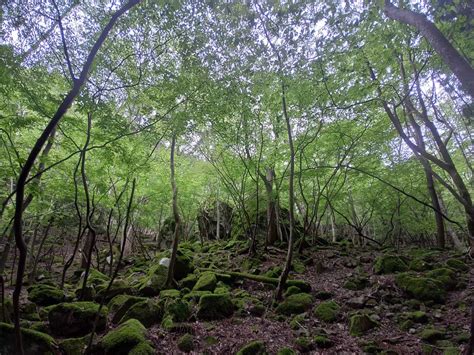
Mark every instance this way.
x=402 y=319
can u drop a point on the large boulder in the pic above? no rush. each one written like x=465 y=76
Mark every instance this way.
x=206 y=282
x=154 y=281
x=128 y=338
x=148 y=312
x=389 y=264
x=360 y=324
x=45 y=295
x=215 y=307
x=34 y=342
x=120 y=304
x=76 y=318
x=421 y=288
x=295 y=304
x=327 y=311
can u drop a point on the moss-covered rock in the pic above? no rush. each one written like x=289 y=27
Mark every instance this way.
x=183 y=266
x=195 y=295
x=189 y=281
x=286 y=351
x=248 y=306
x=295 y=304
x=74 y=346
x=94 y=278
x=445 y=276
x=34 y=342
x=421 y=288
x=185 y=343
x=143 y=348
x=179 y=310
x=151 y=284
x=215 y=307
x=457 y=264
x=419 y=264
x=206 y=282
x=327 y=311
x=255 y=347
x=76 y=318
x=431 y=335
x=118 y=287
x=357 y=283
x=304 y=344
x=45 y=295
x=292 y=290
x=389 y=264
x=322 y=341
x=359 y=324
x=148 y=312
x=120 y=304
x=416 y=316
x=125 y=339
x=171 y=293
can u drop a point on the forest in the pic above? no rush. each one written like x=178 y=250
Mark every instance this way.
x=236 y=177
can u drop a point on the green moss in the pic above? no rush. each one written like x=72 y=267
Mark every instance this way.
x=327 y=311
x=215 y=307
x=7 y=309
x=95 y=277
x=256 y=347
x=76 y=318
x=296 y=322
x=419 y=264
x=356 y=283
x=421 y=288
x=417 y=316
x=457 y=264
x=118 y=287
x=143 y=348
x=74 y=346
x=304 y=344
x=322 y=341
x=359 y=324
x=206 y=282
x=148 y=312
x=151 y=284
x=171 y=293
x=431 y=335
x=185 y=343
x=323 y=295
x=124 y=338
x=444 y=275
x=389 y=264
x=120 y=304
x=179 y=310
x=292 y=290
x=286 y=351
x=34 y=342
x=189 y=281
x=295 y=304
x=45 y=295
x=195 y=295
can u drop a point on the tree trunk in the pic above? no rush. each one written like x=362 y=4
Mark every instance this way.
x=272 y=228
x=450 y=56
x=170 y=279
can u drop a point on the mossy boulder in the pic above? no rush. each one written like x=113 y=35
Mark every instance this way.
x=421 y=288
x=128 y=338
x=357 y=283
x=214 y=306
x=189 y=281
x=76 y=318
x=195 y=295
x=95 y=278
x=45 y=295
x=286 y=351
x=431 y=335
x=177 y=309
x=74 y=346
x=445 y=276
x=148 y=312
x=322 y=341
x=292 y=290
x=294 y=304
x=360 y=324
x=389 y=264
x=206 y=282
x=419 y=264
x=185 y=343
x=118 y=287
x=457 y=264
x=34 y=342
x=120 y=304
x=151 y=284
x=183 y=266
x=256 y=347
x=327 y=311
x=416 y=316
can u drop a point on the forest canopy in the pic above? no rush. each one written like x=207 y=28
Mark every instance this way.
x=136 y=133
